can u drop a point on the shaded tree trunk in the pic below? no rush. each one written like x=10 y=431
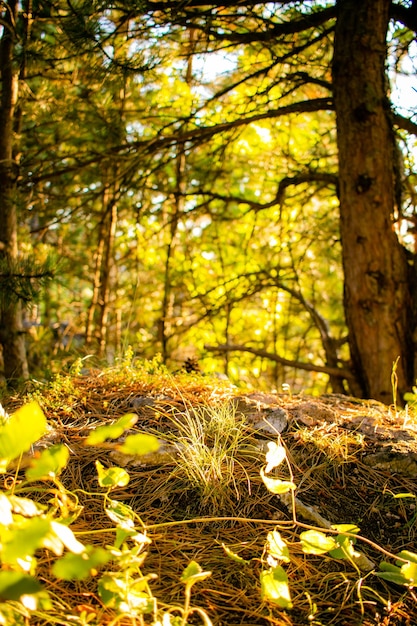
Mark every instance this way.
x=11 y=335
x=377 y=294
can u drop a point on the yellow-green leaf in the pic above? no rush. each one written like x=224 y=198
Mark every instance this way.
x=139 y=444
x=316 y=542
x=274 y=587
x=111 y=431
x=49 y=464
x=277 y=547
x=21 y=430
x=275 y=485
x=111 y=477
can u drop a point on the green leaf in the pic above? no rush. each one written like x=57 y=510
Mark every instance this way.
x=126 y=596
x=315 y=542
x=111 y=431
x=232 y=555
x=139 y=444
x=21 y=430
x=409 y=571
x=401 y=574
x=274 y=587
x=120 y=513
x=277 y=547
x=346 y=528
x=111 y=477
x=345 y=549
x=274 y=457
x=50 y=463
x=388 y=567
x=24 y=540
x=15 y=585
x=79 y=566
x=275 y=485
x=193 y=573
x=393 y=577
x=408 y=556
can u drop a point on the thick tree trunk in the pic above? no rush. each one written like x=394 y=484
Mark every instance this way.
x=11 y=336
x=377 y=293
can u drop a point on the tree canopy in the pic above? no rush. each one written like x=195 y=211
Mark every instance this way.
x=232 y=181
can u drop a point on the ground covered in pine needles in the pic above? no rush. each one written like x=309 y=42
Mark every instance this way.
x=219 y=513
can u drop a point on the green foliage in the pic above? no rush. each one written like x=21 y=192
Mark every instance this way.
x=29 y=529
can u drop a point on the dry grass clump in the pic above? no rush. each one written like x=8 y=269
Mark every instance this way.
x=209 y=503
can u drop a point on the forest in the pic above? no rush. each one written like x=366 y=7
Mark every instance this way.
x=232 y=183
x=208 y=313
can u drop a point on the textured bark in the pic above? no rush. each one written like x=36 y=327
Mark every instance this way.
x=377 y=293
x=11 y=335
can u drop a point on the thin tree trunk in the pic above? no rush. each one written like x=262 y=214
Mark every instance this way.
x=106 y=282
x=377 y=297
x=175 y=216
x=11 y=335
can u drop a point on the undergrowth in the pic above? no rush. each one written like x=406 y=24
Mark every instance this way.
x=46 y=551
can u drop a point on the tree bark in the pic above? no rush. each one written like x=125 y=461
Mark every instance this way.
x=378 y=303
x=11 y=335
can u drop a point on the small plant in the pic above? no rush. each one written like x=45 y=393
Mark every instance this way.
x=30 y=530
x=208 y=441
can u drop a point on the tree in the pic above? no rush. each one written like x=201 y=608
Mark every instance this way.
x=11 y=335
x=211 y=197
x=378 y=271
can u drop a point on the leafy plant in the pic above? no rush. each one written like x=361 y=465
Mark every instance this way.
x=29 y=528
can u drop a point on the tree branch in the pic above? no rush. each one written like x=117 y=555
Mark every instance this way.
x=331 y=371
x=405 y=123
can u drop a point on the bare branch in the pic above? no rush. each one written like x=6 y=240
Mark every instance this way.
x=309 y=367
x=405 y=123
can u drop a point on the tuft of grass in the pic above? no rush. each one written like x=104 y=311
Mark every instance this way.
x=208 y=440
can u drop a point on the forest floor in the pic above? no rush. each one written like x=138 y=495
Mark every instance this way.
x=352 y=461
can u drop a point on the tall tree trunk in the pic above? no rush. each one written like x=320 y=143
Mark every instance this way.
x=11 y=335
x=377 y=294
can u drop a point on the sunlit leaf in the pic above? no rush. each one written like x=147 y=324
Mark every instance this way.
x=408 y=556
x=21 y=430
x=24 y=540
x=346 y=528
x=404 y=495
x=274 y=457
x=275 y=485
x=79 y=566
x=67 y=537
x=111 y=477
x=193 y=573
x=274 y=587
x=139 y=444
x=232 y=555
x=26 y=506
x=6 y=517
x=277 y=547
x=50 y=463
x=345 y=549
x=118 y=593
x=316 y=542
x=111 y=431
x=409 y=571
x=120 y=513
